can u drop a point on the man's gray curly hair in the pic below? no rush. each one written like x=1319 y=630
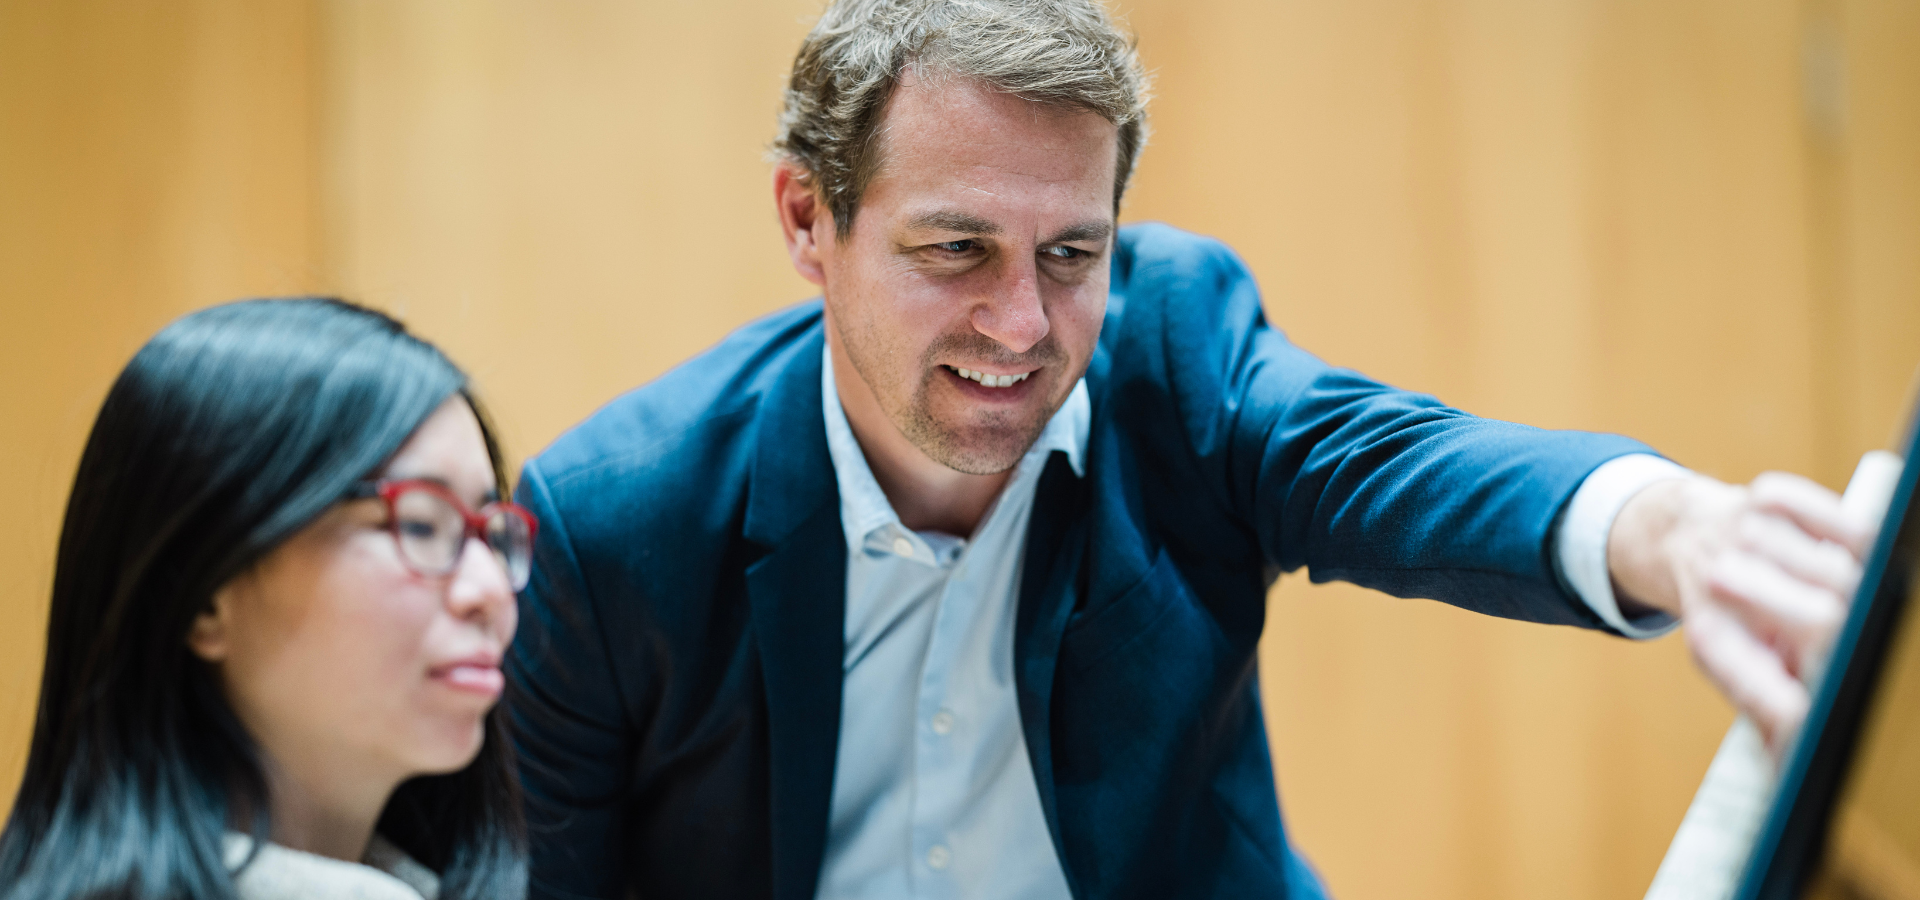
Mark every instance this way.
x=1065 y=52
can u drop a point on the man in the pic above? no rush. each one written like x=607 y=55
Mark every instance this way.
x=949 y=585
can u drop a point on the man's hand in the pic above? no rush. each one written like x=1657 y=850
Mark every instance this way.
x=1761 y=575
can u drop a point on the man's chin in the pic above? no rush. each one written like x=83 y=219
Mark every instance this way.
x=978 y=451
x=980 y=463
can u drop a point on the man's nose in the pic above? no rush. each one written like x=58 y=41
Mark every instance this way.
x=1014 y=314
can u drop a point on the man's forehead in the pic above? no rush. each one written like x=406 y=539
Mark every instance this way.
x=957 y=123
x=951 y=95
x=957 y=155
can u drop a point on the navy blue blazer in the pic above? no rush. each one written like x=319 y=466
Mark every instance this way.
x=676 y=679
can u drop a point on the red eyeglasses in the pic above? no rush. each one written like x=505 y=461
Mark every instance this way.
x=431 y=527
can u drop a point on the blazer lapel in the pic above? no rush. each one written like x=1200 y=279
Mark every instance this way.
x=1056 y=547
x=798 y=598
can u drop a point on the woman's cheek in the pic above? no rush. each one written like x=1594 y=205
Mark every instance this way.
x=385 y=612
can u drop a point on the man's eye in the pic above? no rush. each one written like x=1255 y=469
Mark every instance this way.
x=1064 y=252
x=954 y=246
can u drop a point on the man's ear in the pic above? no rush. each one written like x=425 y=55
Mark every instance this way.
x=209 y=636
x=804 y=220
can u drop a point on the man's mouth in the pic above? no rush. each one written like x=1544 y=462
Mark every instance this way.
x=986 y=380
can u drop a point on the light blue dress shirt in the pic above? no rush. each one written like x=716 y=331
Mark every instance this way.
x=933 y=792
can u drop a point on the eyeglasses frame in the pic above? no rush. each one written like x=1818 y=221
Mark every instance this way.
x=389 y=491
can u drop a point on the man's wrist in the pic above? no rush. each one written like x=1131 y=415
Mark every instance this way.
x=1637 y=555
x=1585 y=532
x=1651 y=532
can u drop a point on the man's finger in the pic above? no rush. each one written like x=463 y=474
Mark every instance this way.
x=1749 y=673
x=1777 y=538
x=1814 y=508
x=1777 y=609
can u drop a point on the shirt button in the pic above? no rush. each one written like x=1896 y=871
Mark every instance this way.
x=939 y=856
x=903 y=547
x=943 y=722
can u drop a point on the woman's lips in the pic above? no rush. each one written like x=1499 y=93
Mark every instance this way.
x=472 y=676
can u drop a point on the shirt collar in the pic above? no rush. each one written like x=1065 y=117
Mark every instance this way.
x=864 y=507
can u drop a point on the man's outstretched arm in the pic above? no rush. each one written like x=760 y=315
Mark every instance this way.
x=1392 y=490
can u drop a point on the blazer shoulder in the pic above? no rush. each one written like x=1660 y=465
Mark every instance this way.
x=1179 y=291
x=682 y=420
x=1157 y=255
x=1179 y=300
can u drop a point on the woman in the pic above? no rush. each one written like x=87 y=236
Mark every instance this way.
x=273 y=652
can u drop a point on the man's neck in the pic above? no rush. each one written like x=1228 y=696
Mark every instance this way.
x=926 y=495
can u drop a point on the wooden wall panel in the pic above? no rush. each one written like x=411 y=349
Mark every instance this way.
x=1876 y=241
x=571 y=199
x=154 y=158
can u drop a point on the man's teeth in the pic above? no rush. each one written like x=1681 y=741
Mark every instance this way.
x=992 y=381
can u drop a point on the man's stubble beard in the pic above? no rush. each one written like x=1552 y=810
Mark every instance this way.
x=1001 y=449
x=1001 y=441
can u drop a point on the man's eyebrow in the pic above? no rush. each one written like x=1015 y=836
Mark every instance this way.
x=949 y=220
x=1085 y=231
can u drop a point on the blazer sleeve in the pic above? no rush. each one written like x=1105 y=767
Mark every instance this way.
x=567 y=717
x=1356 y=480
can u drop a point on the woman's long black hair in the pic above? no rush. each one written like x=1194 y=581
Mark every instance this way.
x=228 y=432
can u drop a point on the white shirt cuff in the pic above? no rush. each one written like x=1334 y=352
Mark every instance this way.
x=1580 y=544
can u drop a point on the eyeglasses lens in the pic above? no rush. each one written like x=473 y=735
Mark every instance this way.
x=431 y=531
x=512 y=543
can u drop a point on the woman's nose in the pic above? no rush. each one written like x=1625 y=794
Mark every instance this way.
x=481 y=587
